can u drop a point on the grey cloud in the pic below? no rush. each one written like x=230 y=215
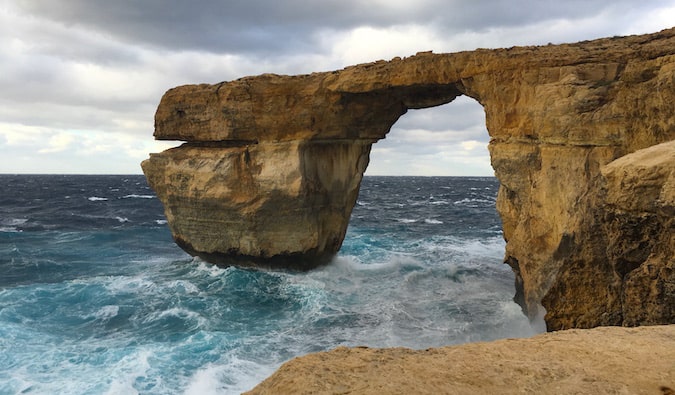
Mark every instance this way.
x=246 y=26
x=102 y=65
x=73 y=117
x=460 y=114
x=218 y=26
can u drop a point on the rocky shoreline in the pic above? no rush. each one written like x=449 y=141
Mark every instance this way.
x=603 y=360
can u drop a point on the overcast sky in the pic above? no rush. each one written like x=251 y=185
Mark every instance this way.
x=81 y=79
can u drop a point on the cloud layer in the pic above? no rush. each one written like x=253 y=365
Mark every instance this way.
x=81 y=79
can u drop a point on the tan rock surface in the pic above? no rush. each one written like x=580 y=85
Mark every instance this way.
x=640 y=223
x=273 y=164
x=605 y=360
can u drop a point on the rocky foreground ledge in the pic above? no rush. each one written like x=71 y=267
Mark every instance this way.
x=604 y=360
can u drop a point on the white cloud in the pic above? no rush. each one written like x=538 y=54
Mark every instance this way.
x=57 y=143
x=366 y=44
x=452 y=140
x=30 y=149
x=471 y=145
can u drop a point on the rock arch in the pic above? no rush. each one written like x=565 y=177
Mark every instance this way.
x=272 y=164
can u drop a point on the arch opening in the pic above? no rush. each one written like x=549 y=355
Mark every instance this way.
x=446 y=140
x=433 y=236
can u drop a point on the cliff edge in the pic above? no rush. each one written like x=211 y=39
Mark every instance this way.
x=606 y=360
x=271 y=166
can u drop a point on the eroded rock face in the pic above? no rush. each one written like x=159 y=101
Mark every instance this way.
x=272 y=165
x=283 y=204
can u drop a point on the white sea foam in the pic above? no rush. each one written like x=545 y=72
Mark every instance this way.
x=161 y=221
x=406 y=220
x=210 y=269
x=126 y=284
x=206 y=381
x=474 y=202
x=177 y=312
x=351 y=265
x=182 y=286
x=10 y=229
x=107 y=312
x=126 y=371
x=233 y=376
x=135 y=196
x=482 y=251
x=122 y=219
x=10 y=225
x=96 y=198
x=432 y=221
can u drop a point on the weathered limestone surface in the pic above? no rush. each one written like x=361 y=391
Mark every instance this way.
x=639 y=218
x=607 y=360
x=272 y=165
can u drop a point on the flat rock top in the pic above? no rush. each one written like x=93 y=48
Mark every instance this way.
x=605 y=360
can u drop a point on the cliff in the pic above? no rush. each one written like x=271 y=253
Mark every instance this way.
x=607 y=360
x=272 y=165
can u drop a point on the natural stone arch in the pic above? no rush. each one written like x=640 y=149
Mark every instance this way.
x=272 y=164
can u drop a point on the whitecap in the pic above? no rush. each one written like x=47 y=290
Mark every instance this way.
x=432 y=221
x=406 y=220
x=232 y=377
x=183 y=286
x=135 y=196
x=161 y=221
x=10 y=229
x=472 y=202
x=127 y=370
x=10 y=225
x=96 y=198
x=107 y=312
x=177 y=312
x=206 y=381
x=210 y=269
x=122 y=219
x=124 y=284
x=349 y=264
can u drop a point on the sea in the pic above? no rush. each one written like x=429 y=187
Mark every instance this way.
x=96 y=298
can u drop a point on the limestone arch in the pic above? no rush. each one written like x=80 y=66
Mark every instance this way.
x=557 y=115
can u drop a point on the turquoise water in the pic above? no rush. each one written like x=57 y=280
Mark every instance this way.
x=95 y=298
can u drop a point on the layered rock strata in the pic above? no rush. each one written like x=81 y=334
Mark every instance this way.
x=608 y=360
x=272 y=164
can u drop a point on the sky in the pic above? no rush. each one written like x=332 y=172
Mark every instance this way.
x=80 y=80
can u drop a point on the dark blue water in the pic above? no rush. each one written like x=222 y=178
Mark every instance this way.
x=95 y=298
